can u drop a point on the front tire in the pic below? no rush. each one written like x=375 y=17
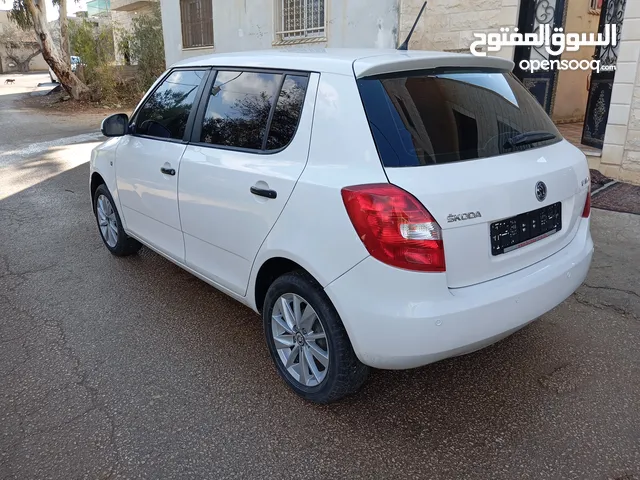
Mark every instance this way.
x=308 y=342
x=110 y=225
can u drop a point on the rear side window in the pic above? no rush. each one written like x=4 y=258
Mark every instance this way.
x=287 y=111
x=253 y=110
x=166 y=111
x=430 y=118
x=238 y=109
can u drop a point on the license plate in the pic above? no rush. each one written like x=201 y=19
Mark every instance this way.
x=524 y=229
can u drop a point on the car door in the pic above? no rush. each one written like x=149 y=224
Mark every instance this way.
x=249 y=147
x=148 y=161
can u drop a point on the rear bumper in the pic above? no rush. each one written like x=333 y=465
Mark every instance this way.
x=398 y=319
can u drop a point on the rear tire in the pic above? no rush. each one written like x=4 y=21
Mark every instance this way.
x=110 y=225
x=315 y=338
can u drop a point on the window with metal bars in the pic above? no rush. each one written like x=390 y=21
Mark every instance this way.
x=595 y=4
x=197 y=23
x=300 y=20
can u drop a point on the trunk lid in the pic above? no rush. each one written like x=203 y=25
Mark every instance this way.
x=498 y=188
x=467 y=144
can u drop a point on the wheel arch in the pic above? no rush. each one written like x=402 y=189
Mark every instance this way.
x=102 y=171
x=96 y=181
x=270 y=269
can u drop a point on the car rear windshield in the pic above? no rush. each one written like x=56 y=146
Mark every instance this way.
x=434 y=117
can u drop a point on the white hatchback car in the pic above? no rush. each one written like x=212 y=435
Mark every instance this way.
x=378 y=208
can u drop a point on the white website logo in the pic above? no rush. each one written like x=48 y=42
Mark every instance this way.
x=555 y=44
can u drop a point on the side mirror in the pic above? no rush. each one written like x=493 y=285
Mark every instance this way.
x=115 y=125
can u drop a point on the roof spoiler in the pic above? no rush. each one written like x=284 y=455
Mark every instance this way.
x=392 y=64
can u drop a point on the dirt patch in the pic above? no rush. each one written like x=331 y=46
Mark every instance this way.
x=59 y=102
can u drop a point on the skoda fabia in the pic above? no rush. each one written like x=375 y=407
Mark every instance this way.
x=378 y=208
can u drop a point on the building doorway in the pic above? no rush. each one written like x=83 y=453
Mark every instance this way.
x=577 y=100
x=600 y=86
x=533 y=16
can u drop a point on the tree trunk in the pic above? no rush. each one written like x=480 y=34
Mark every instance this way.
x=64 y=33
x=51 y=53
x=23 y=64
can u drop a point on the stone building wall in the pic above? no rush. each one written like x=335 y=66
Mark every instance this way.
x=621 y=153
x=449 y=25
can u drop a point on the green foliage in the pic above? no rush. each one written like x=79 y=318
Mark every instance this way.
x=94 y=45
x=20 y=16
x=144 y=45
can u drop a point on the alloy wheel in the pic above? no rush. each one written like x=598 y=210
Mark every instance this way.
x=300 y=339
x=107 y=221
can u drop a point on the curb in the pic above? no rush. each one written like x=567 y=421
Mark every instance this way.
x=604 y=187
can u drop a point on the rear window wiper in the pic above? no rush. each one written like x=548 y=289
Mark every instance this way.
x=528 y=138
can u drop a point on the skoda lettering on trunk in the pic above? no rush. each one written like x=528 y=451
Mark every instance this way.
x=463 y=216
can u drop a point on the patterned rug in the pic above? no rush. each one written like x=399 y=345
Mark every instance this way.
x=620 y=197
x=598 y=180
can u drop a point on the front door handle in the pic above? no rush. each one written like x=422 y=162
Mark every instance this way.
x=264 y=192
x=168 y=171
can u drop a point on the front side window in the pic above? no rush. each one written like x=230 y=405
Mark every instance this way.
x=196 y=17
x=429 y=118
x=300 y=20
x=239 y=110
x=166 y=111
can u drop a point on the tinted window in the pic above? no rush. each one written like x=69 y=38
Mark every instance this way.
x=287 y=112
x=238 y=109
x=433 y=118
x=166 y=111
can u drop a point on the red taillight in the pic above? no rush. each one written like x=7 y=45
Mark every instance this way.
x=395 y=227
x=587 y=205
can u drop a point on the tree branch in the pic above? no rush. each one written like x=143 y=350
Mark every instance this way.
x=20 y=60
x=14 y=58
x=34 y=54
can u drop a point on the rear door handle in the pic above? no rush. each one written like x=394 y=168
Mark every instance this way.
x=264 y=192
x=168 y=171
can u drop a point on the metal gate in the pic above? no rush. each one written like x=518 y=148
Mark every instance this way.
x=533 y=16
x=601 y=84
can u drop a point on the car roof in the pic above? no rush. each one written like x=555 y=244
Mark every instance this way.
x=345 y=61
